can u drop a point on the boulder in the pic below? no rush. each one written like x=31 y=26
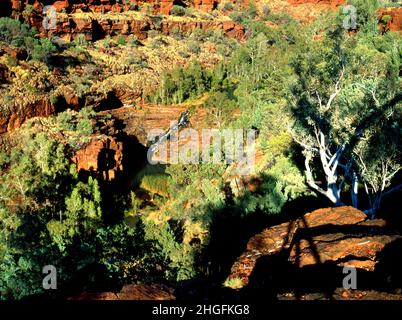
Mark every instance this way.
x=360 y=252
x=333 y=216
x=342 y=236
x=61 y=5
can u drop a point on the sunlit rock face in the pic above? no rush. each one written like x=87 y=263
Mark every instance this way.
x=333 y=3
x=391 y=19
x=163 y=6
x=338 y=237
x=79 y=17
x=41 y=107
x=102 y=156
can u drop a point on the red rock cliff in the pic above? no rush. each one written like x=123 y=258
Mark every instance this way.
x=102 y=156
x=394 y=21
x=162 y=6
x=69 y=26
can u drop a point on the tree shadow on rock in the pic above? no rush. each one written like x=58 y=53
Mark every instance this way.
x=284 y=274
x=229 y=233
x=390 y=266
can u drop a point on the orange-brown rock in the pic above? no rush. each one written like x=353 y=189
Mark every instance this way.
x=338 y=235
x=17 y=5
x=337 y=247
x=166 y=6
x=104 y=6
x=205 y=5
x=395 y=22
x=39 y=108
x=68 y=28
x=333 y=216
x=102 y=156
x=71 y=99
x=132 y=292
x=16 y=53
x=270 y=241
x=61 y=5
x=140 y=120
x=332 y=3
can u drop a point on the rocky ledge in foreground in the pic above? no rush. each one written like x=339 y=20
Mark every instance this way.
x=310 y=253
x=131 y=292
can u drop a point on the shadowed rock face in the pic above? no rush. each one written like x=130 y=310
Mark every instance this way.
x=103 y=155
x=4 y=73
x=338 y=236
x=39 y=108
x=5 y=8
x=132 y=292
x=111 y=155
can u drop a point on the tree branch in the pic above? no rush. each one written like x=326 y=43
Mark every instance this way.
x=336 y=90
x=309 y=175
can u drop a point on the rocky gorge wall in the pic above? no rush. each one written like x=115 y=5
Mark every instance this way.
x=74 y=17
x=37 y=108
x=104 y=6
x=97 y=18
x=395 y=19
x=69 y=28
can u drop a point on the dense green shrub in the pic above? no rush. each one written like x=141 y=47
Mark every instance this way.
x=48 y=216
x=14 y=32
x=121 y=41
x=22 y=36
x=366 y=14
x=194 y=47
x=178 y=11
x=156 y=184
x=182 y=84
x=228 y=6
x=80 y=40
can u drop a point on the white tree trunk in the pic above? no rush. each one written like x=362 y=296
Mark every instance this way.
x=354 y=190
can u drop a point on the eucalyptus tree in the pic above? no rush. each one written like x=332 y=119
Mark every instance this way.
x=346 y=107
